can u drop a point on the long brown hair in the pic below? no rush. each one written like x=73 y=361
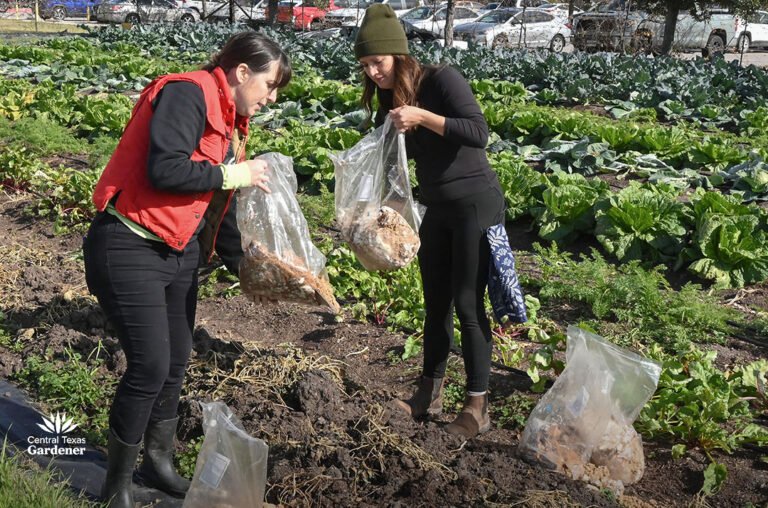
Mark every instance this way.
x=408 y=75
x=256 y=51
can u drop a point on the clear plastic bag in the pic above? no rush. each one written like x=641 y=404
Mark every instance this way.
x=231 y=469
x=585 y=420
x=375 y=209
x=280 y=261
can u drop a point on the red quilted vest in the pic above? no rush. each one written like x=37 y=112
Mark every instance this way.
x=171 y=216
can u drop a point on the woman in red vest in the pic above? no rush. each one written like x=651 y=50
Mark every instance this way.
x=165 y=199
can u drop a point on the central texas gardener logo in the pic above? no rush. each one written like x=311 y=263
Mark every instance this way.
x=57 y=424
x=57 y=442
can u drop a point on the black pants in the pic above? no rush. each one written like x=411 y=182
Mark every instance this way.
x=149 y=293
x=453 y=259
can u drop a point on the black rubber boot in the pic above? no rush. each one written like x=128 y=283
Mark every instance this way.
x=156 y=468
x=117 y=490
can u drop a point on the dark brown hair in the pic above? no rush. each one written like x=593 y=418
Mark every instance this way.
x=256 y=51
x=408 y=75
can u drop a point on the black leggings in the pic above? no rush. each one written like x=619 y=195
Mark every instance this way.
x=453 y=259
x=149 y=293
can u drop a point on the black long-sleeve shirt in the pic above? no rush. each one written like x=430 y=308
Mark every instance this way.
x=177 y=126
x=454 y=165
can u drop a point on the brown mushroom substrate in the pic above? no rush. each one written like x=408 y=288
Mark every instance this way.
x=383 y=240
x=264 y=274
x=616 y=461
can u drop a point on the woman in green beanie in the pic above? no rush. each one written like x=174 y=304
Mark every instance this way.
x=446 y=135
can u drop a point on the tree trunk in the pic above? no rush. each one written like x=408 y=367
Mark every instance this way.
x=449 y=25
x=670 y=23
x=231 y=11
x=272 y=11
x=570 y=10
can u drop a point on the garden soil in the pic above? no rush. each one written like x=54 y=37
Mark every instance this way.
x=319 y=392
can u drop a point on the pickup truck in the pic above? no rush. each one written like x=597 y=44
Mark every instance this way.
x=610 y=27
x=714 y=35
x=606 y=27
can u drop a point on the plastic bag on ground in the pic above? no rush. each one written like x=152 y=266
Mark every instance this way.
x=375 y=209
x=583 y=425
x=231 y=469
x=280 y=261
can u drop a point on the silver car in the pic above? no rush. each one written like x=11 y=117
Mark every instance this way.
x=435 y=23
x=143 y=11
x=514 y=27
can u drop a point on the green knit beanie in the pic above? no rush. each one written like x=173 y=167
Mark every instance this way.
x=380 y=33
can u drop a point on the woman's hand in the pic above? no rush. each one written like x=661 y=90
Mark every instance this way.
x=406 y=117
x=259 y=170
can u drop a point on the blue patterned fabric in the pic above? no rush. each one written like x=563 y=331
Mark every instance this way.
x=504 y=289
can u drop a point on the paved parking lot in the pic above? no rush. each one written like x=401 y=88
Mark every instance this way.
x=758 y=58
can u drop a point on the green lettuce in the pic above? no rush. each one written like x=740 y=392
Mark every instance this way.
x=643 y=222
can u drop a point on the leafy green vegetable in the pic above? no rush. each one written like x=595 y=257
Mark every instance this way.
x=567 y=209
x=642 y=222
x=729 y=244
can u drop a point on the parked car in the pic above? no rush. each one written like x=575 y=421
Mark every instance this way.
x=560 y=10
x=506 y=4
x=60 y=9
x=399 y=6
x=125 y=11
x=213 y=9
x=435 y=23
x=523 y=4
x=753 y=32
x=303 y=13
x=349 y=13
x=256 y=10
x=713 y=35
x=612 y=27
x=350 y=18
x=527 y=4
x=607 y=26
x=419 y=13
x=245 y=10
x=477 y=6
x=515 y=27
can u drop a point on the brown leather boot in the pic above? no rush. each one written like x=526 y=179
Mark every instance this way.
x=428 y=399
x=473 y=419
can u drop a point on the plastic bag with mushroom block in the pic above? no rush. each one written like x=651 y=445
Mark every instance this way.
x=280 y=261
x=585 y=419
x=375 y=209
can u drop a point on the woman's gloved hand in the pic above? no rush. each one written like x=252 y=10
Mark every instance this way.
x=259 y=171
